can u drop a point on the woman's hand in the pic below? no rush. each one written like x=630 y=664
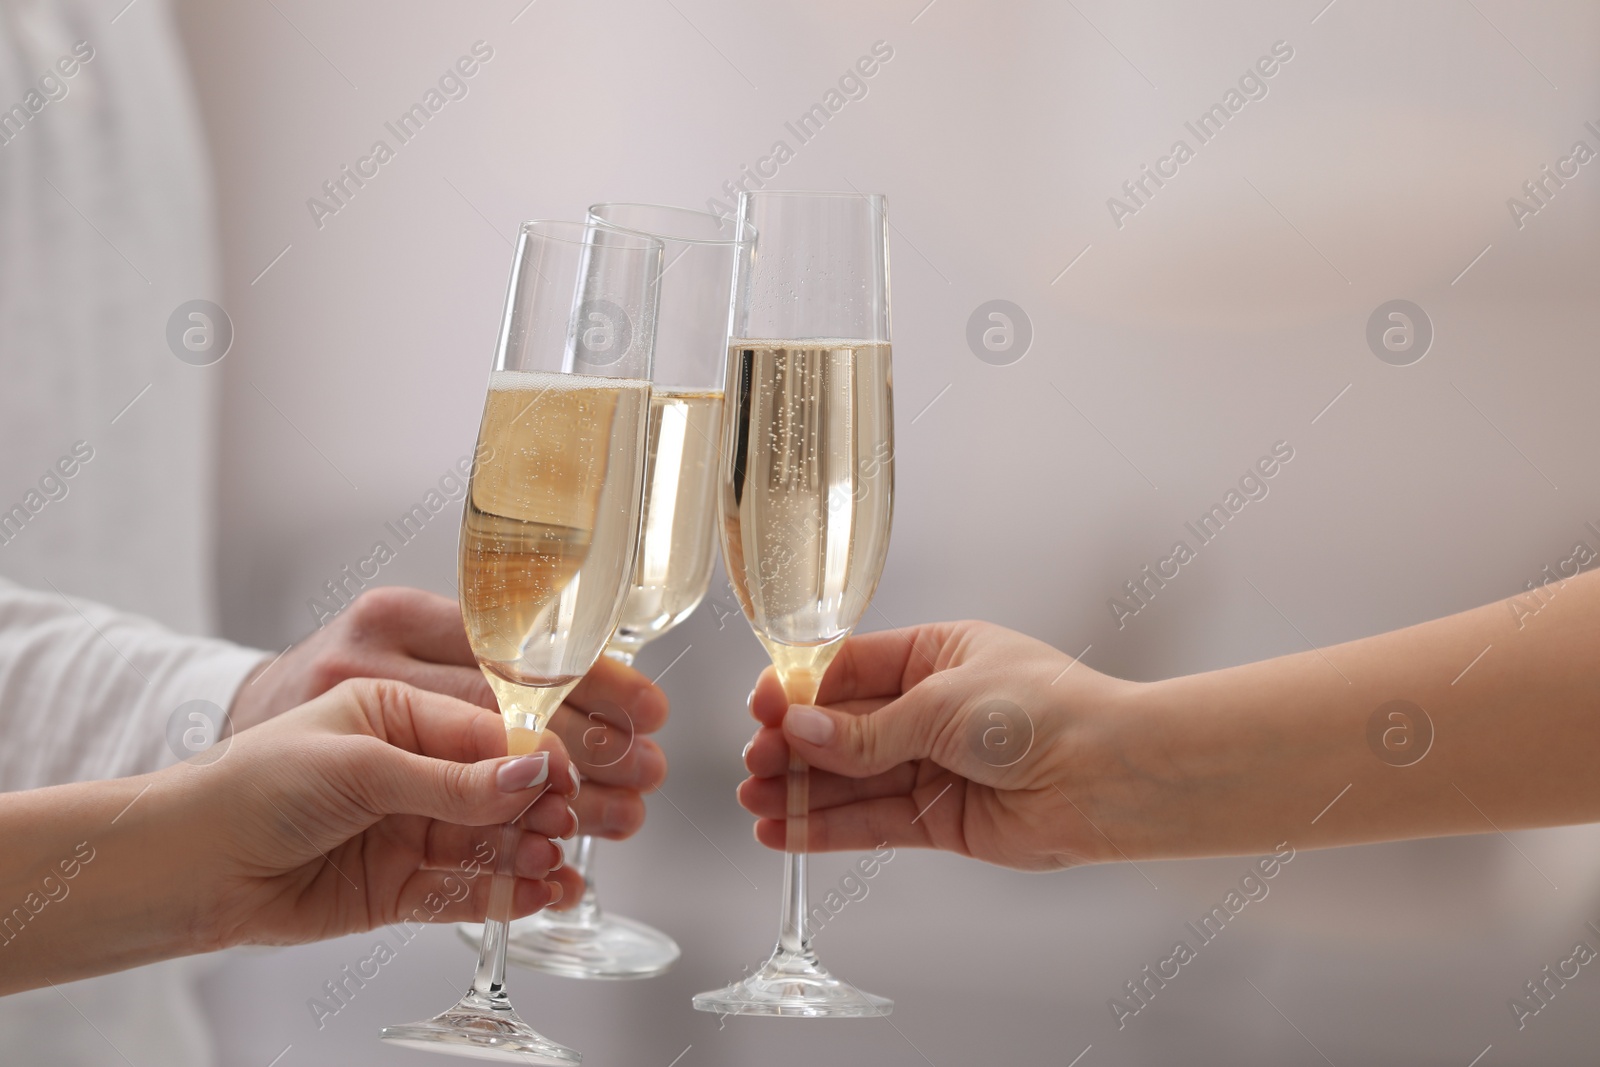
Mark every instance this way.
x=960 y=736
x=417 y=637
x=375 y=803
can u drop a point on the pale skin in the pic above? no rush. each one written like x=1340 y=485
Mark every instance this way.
x=417 y=637
x=372 y=804
x=342 y=804
x=1233 y=761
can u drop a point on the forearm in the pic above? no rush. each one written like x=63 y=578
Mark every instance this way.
x=1240 y=759
x=97 y=877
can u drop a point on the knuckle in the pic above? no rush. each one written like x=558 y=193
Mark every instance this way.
x=362 y=692
x=867 y=744
x=621 y=816
x=630 y=815
x=363 y=610
x=334 y=665
x=379 y=609
x=456 y=781
x=387 y=693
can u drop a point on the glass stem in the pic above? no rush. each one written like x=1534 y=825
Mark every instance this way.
x=794 y=935
x=581 y=858
x=586 y=916
x=489 y=983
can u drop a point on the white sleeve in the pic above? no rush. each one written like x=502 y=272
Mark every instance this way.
x=86 y=691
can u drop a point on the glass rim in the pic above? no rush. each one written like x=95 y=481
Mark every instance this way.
x=816 y=193
x=733 y=241
x=560 y=229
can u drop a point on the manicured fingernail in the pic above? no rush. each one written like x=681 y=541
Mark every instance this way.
x=561 y=856
x=577 y=782
x=750 y=701
x=556 y=892
x=748 y=746
x=524 y=772
x=570 y=834
x=809 y=724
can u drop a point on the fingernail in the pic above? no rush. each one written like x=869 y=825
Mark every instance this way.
x=577 y=782
x=570 y=834
x=809 y=724
x=556 y=892
x=561 y=856
x=750 y=701
x=524 y=772
x=747 y=747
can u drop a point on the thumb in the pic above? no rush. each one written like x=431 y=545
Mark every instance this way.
x=485 y=793
x=910 y=727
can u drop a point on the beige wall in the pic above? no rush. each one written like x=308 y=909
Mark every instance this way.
x=1220 y=318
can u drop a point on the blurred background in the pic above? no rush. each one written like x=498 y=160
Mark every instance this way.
x=1156 y=340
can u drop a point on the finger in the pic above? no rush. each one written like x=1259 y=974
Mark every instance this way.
x=768 y=797
x=421 y=721
x=549 y=815
x=468 y=848
x=446 y=897
x=862 y=745
x=609 y=812
x=767 y=754
x=396 y=782
x=767 y=700
x=855 y=827
x=616 y=692
x=768 y=703
x=888 y=662
x=607 y=753
x=463 y=683
x=423 y=625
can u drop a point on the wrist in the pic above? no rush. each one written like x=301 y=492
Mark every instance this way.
x=1236 y=764
x=1123 y=773
x=160 y=849
x=1176 y=774
x=250 y=704
x=185 y=834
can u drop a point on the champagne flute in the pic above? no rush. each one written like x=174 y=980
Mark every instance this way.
x=806 y=493
x=673 y=565
x=548 y=535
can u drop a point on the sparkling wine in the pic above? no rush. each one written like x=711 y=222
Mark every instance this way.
x=551 y=515
x=807 y=502
x=673 y=566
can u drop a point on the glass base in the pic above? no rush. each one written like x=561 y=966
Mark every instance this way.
x=481 y=1029
x=610 y=948
x=794 y=985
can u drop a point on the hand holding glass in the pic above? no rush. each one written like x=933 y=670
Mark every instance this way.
x=673 y=565
x=806 y=492
x=548 y=535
